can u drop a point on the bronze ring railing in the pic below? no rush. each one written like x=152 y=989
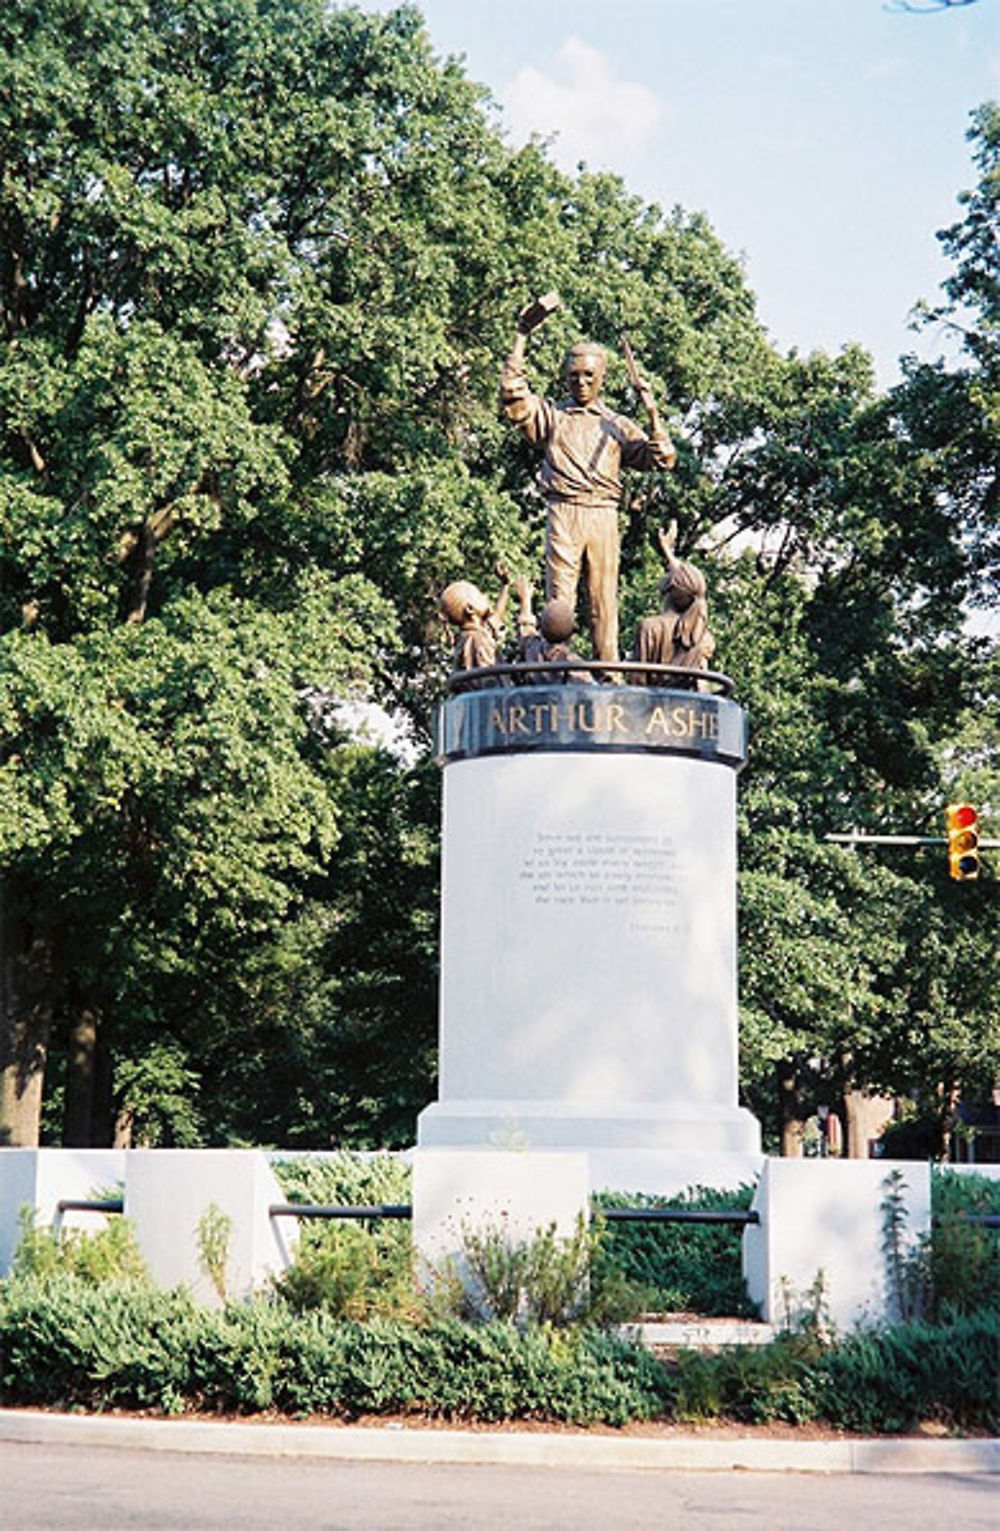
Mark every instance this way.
x=465 y=680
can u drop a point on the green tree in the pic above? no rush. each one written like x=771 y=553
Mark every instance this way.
x=258 y=265
x=227 y=291
x=256 y=274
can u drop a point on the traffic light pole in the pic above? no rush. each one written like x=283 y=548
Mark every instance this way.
x=862 y=839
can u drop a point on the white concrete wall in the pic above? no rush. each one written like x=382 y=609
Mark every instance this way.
x=823 y=1218
x=668 y=1173
x=518 y=1194
x=166 y=1192
x=169 y=1191
x=39 y=1178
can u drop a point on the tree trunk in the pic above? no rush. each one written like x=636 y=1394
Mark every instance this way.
x=792 y=1121
x=124 y=1122
x=102 y=1111
x=26 y=967
x=140 y=575
x=864 y=1118
x=81 y=1063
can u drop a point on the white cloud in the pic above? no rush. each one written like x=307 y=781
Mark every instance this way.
x=595 y=116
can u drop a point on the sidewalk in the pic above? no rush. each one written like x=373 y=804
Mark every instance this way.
x=396 y=1442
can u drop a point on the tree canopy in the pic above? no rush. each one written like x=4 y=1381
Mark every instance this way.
x=259 y=263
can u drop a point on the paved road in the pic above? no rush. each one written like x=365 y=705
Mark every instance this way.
x=77 y=1488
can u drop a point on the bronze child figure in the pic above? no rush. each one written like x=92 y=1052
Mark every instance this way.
x=679 y=634
x=480 y=625
x=545 y=639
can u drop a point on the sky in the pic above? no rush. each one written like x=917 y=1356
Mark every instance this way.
x=824 y=139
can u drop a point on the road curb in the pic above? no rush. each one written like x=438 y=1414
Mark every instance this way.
x=394 y=1442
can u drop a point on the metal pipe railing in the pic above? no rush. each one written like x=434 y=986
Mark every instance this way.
x=979 y=1219
x=703 y=1216
x=334 y=1212
x=71 y=1204
x=720 y=1216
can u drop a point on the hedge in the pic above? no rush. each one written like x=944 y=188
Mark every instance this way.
x=70 y=1344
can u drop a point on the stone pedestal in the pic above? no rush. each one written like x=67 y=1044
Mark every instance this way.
x=514 y=1195
x=588 y=923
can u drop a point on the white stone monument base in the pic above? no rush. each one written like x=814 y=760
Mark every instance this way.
x=664 y=1172
x=588 y=924
x=589 y=1125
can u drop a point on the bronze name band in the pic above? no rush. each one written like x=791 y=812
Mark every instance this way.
x=503 y=720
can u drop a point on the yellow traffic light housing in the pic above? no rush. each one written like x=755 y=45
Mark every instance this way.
x=963 y=841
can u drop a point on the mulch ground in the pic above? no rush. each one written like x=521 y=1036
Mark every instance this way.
x=644 y=1429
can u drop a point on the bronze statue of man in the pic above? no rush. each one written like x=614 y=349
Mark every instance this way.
x=585 y=445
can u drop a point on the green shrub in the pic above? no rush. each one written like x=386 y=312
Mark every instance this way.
x=215 y=1230
x=487 y=1372
x=346 y=1179
x=69 y=1344
x=894 y=1379
x=65 y=1343
x=755 y=1385
x=907 y=1259
x=955 y=1268
x=352 y=1270
x=243 y=1357
x=360 y=1271
x=680 y=1267
x=612 y=1273
x=108 y=1254
x=543 y=1279
x=964 y=1257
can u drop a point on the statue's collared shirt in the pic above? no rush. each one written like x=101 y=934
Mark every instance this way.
x=586 y=446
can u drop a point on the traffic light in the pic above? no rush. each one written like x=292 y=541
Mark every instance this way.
x=963 y=841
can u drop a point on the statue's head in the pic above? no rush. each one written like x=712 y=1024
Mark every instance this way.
x=683 y=585
x=557 y=621
x=462 y=600
x=586 y=365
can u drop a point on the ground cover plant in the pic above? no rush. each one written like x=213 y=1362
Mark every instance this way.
x=69 y=1344
x=66 y=1343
